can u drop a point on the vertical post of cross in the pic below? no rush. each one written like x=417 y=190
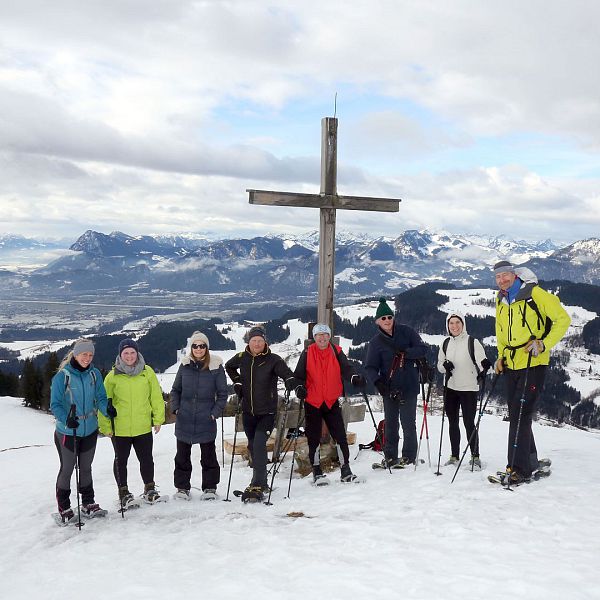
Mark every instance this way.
x=327 y=221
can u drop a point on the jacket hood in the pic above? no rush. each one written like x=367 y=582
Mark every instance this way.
x=455 y=313
x=215 y=361
x=526 y=275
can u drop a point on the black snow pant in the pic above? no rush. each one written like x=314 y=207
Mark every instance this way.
x=525 y=452
x=86 y=448
x=142 y=444
x=467 y=402
x=400 y=410
x=258 y=428
x=335 y=423
x=211 y=470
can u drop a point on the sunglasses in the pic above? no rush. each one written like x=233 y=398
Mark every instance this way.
x=386 y=317
x=199 y=346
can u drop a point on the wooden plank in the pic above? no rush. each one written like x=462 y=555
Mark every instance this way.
x=241 y=444
x=269 y=198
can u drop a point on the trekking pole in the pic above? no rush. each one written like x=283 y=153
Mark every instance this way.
x=300 y=407
x=481 y=394
x=446 y=378
x=118 y=475
x=72 y=414
x=238 y=410
x=377 y=435
x=424 y=424
x=223 y=438
x=476 y=429
x=275 y=468
x=516 y=443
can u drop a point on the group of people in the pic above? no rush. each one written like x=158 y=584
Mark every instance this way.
x=128 y=405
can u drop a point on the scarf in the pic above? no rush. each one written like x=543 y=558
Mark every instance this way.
x=122 y=369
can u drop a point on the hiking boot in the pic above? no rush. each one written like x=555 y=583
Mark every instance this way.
x=451 y=461
x=182 y=494
x=67 y=516
x=514 y=478
x=319 y=478
x=404 y=462
x=544 y=463
x=150 y=495
x=475 y=461
x=389 y=463
x=93 y=510
x=346 y=474
x=253 y=493
x=209 y=494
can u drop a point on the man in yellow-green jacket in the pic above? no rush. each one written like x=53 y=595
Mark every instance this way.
x=529 y=322
x=137 y=397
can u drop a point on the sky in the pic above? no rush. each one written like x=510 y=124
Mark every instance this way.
x=155 y=118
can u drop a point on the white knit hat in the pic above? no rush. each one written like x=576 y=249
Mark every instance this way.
x=321 y=328
x=199 y=338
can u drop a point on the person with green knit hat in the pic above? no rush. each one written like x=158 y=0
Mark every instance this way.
x=391 y=365
x=383 y=309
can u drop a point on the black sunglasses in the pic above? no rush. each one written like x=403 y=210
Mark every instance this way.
x=386 y=317
x=199 y=346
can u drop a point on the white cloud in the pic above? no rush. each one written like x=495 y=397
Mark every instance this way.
x=155 y=117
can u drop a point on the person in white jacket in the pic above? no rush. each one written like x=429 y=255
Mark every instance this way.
x=463 y=369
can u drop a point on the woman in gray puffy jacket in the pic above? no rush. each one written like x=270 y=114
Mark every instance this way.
x=198 y=398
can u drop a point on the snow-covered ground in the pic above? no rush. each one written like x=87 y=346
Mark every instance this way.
x=408 y=535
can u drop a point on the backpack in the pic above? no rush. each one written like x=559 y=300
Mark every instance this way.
x=547 y=322
x=471 y=346
x=378 y=442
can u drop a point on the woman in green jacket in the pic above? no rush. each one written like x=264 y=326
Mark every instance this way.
x=136 y=395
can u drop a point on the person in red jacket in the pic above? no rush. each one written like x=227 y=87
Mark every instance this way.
x=323 y=366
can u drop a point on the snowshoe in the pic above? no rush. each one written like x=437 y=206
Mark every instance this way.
x=182 y=494
x=209 y=494
x=451 y=461
x=475 y=463
x=151 y=495
x=544 y=463
x=346 y=475
x=319 y=478
x=388 y=463
x=91 y=511
x=253 y=494
x=128 y=502
x=65 y=517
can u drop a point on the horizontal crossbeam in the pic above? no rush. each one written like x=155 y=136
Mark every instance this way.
x=268 y=198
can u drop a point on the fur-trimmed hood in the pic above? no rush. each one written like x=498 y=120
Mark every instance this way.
x=215 y=361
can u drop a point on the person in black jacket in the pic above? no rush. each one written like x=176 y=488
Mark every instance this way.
x=254 y=373
x=198 y=398
x=391 y=364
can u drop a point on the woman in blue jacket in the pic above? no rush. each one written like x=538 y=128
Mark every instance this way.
x=76 y=395
x=198 y=398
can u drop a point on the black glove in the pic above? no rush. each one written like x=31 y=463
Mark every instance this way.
x=111 y=411
x=383 y=387
x=237 y=388
x=359 y=381
x=301 y=392
x=449 y=366
x=72 y=422
x=486 y=365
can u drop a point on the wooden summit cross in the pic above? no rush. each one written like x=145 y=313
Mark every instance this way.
x=327 y=201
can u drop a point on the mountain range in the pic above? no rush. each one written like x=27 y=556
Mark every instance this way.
x=274 y=267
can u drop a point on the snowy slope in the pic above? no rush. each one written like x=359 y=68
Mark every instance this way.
x=408 y=535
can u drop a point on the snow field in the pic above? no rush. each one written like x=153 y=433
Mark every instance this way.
x=407 y=535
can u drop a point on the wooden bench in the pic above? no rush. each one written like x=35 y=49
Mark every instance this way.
x=286 y=420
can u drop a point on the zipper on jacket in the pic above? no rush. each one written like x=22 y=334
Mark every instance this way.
x=252 y=386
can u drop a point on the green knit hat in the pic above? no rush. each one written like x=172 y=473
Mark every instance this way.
x=383 y=309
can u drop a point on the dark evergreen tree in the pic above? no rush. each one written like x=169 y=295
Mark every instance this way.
x=31 y=385
x=48 y=372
